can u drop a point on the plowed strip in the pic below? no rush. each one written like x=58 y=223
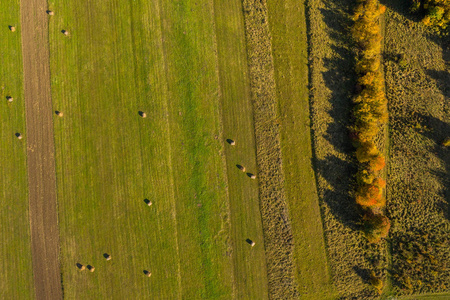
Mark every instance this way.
x=40 y=150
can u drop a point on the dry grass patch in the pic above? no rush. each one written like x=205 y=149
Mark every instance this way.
x=278 y=238
x=418 y=85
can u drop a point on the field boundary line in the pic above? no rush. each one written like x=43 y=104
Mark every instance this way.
x=172 y=175
x=43 y=211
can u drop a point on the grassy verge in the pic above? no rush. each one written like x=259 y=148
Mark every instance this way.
x=16 y=280
x=289 y=44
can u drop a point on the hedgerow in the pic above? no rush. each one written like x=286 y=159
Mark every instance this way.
x=369 y=114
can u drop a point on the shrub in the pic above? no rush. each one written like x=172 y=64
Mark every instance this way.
x=375 y=226
x=446 y=143
x=376 y=282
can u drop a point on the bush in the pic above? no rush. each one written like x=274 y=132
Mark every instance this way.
x=375 y=226
x=376 y=282
x=446 y=143
x=437 y=12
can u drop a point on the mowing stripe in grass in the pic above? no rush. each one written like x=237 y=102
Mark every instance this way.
x=278 y=237
x=16 y=279
x=202 y=211
x=237 y=118
x=289 y=44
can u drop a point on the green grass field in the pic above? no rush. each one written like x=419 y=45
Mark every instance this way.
x=204 y=72
x=120 y=59
x=16 y=279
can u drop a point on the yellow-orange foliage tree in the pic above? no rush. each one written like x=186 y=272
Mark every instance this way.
x=369 y=113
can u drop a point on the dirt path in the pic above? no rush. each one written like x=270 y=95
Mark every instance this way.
x=40 y=150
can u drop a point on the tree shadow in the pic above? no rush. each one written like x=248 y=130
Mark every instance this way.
x=337 y=196
x=364 y=274
x=402 y=7
x=438 y=131
x=442 y=79
x=340 y=77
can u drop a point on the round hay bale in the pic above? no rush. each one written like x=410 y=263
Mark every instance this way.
x=231 y=142
x=9 y=98
x=249 y=241
x=252 y=176
x=12 y=28
x=107 y=256
x=90 y=268
x=149 y=203
x=80 y=267
x=50 y=13
x=142 y=114
x=19 y=136
x=147 y=273
x=59 y=113
x=65 y=32
x=242 y=168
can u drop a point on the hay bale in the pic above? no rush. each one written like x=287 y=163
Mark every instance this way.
x=107 y=256
x=9 y=99
x=65 y=32
x=12 y=28
x=249 y=241
x=50 y=13
x=242 y=168
x=142 y=114
x=231 y=142
x=81 y=267
x=90 y=268
x=19 y=136
x=148 y=202
x=252 y=176
x=59 y=113
x=147 y=273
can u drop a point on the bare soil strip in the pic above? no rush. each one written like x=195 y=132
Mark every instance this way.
x=40 y=150
x=278 y=238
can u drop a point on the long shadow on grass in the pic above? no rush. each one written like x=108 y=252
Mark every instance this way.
x=403 y=8
x=337 y=172
x=439 y=131
x=340 y=76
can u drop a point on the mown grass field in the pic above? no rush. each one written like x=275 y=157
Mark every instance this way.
x=16 y=279
x=162 y=58
x=204 y=72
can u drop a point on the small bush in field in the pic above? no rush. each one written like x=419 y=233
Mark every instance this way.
x=375 y=226
x=376 y=282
